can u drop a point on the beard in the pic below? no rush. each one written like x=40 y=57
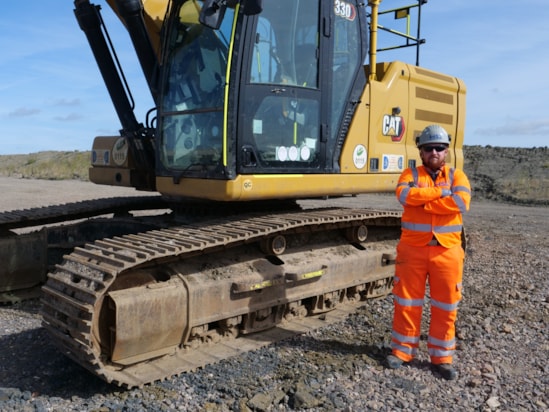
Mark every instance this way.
x=433 y=162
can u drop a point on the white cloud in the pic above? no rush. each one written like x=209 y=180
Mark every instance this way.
x=23 y=112
x=67 y=102
x=69 y=118
x=518 y=127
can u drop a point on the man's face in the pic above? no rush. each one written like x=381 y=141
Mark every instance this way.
x=433 y=155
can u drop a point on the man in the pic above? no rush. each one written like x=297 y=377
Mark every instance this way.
x=434 y=196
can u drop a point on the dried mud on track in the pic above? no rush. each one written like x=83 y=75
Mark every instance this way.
x=503 y=324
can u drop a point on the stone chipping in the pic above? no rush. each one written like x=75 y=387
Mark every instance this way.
x=502 y=356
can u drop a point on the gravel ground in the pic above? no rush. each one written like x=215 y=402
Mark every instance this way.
x=502 y=355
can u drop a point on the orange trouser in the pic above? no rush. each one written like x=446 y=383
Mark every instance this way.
x=444 y=269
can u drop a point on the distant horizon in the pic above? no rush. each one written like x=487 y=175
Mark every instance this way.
x=89 y=150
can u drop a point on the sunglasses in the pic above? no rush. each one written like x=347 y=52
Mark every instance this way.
x=429 y=149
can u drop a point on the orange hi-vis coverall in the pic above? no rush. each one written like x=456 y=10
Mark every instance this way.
x=429 y=249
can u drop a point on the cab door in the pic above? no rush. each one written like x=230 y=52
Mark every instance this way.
x=301 y=62
x=279 y=127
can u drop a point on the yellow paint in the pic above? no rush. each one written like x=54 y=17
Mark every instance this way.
x=154 y=12
x=226 y=103
x=256 y=187
x=311 y=275
x=423 y=96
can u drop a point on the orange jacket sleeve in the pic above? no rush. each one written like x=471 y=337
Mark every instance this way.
x=410 y=195
x=458 y=202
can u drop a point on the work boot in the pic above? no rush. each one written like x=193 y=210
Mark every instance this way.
x=447 y=371
x=393 y=362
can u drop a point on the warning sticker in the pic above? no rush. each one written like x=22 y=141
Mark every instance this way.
x=392 y=163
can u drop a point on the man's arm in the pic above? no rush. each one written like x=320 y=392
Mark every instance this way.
x=458 y=201
x=409 y=195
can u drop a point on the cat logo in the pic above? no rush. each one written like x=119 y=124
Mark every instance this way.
x=393 y=126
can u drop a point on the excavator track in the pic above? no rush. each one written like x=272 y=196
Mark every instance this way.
x=87 y=297
x=33 y=240
x=18 y=219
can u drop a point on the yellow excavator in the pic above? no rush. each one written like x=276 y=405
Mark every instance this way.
x=258 y=104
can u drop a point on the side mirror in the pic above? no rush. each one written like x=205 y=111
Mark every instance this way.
x=253 y=7
x=212 y=13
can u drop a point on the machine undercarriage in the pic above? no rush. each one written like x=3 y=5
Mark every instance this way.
x=139 y=307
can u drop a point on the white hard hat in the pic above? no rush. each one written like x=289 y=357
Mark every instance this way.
x=433 y=134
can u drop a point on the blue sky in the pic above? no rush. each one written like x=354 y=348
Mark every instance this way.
x=52 y=96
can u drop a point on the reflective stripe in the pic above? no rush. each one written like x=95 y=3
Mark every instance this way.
x=440 y=353
x=425 y=228
x=396 y=279
x=461 y=189
x=404 y=195
x=444 y=306
x=404 y=349
x=417 y=227
x=447 y=229
x=408 y=302
x=446 y=344
x=460 y=203
x=405 y=339
x=415 y=174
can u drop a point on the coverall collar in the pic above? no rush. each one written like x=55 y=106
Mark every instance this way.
x=435 y=173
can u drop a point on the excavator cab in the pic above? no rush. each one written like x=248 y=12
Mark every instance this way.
x=249 y=90
x=274 y=99
x=263 y=94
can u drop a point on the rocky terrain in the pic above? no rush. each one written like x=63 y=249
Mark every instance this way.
x=503 y=324
x=518 y=175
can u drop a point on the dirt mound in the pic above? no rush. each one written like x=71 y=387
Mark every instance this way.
x=515 y=175
x=50 y=165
